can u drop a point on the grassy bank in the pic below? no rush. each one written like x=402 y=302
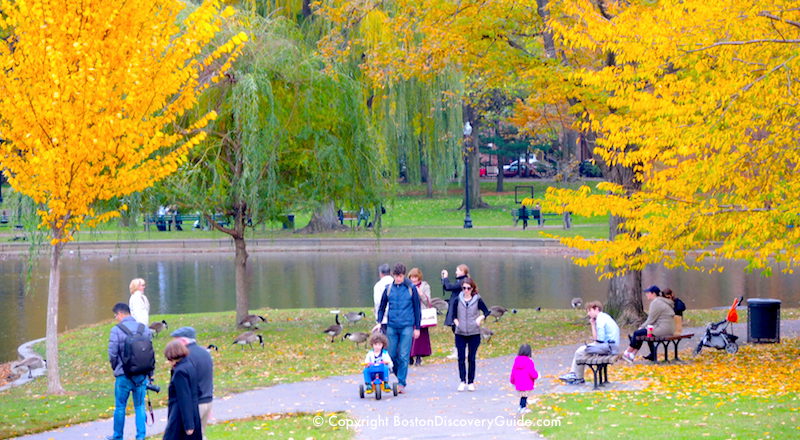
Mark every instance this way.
x=295 y=350
x=283 y=426
x=751 y=395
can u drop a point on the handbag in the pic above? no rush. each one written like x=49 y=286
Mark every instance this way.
x=428 y=318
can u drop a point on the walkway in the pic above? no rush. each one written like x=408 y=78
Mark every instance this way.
x=431 y=409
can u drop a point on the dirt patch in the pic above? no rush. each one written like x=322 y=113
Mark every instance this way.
x=5 y=372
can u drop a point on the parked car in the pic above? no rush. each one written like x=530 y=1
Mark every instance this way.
x=534 y=168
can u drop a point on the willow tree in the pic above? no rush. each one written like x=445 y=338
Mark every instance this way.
x=289 y=136
x=87 y=111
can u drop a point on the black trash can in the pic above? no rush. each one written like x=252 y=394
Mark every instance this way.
x=763 y=320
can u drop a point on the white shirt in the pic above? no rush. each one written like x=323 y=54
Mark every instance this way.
x=384 y=356
x=140 y=307
x=607 y=328
x=377 y=293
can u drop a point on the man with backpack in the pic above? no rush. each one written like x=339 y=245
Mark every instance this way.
x=132 y=358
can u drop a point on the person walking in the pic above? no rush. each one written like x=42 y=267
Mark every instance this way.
x=138 y=303
x=421 y=347
x=462 y=273
x=183 y=417
x=523 y=376
x=467 y=313
x=377 y=291
x=605 y=337
x=203 y=366
x=402 y=325
x=125 y=385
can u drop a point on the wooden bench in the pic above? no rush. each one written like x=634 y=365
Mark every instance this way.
x=599 y=364
x=353 y=216
x=665 y=341
x=525 y=214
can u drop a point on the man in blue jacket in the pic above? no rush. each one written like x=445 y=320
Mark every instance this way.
x=403 y=320
x=203 y=365
x=124 y=385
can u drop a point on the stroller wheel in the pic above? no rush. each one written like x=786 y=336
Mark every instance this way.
x=732 y=347
x=698 y=348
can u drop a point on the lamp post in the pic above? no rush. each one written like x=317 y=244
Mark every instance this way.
x=467 y=133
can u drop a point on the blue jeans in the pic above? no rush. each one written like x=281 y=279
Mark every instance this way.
x=399 y=349
x=122 y=388
x=381 y=370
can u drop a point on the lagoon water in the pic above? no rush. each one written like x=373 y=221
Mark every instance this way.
x=191 y=283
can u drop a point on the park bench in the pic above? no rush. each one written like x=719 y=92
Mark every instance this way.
x=353 y=216
x=524 y=214
x=599 y=364
x=664 y=341
x=164 y=223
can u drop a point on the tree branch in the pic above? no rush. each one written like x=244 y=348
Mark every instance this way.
x=743 y=43
x=772 y=16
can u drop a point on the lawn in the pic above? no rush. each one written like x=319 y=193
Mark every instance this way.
x=284 y=426
x=295 y=350
x=750 y=395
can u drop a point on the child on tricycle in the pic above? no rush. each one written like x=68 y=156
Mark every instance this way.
x=376 y=368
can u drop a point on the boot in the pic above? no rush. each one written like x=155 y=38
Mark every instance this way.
x=419 y=361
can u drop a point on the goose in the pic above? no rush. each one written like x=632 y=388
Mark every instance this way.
x=334 y=330
x=440 y=305
x=499 y=311
x=159 y=327
x=576 y=303
x=353 y=317
x=357 y=337
x=252 y=321
x=486 y=334
x=248 y=338
x=31 y=363
x=212 y=347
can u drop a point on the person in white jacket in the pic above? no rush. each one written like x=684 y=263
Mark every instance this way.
x=139 y=305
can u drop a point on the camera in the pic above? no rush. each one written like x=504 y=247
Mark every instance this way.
x=153 y=387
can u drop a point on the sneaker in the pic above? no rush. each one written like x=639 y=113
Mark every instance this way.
x=627 y=357
x=453 y=355
x=471 y=387
x=577 y=381
x=401 y=389
x=569 y=377
x=462 y=386
x=368 y=389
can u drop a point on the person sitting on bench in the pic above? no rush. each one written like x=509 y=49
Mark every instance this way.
x=660 y=315
x=605 y=333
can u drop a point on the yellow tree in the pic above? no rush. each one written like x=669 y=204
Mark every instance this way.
x=89 y=93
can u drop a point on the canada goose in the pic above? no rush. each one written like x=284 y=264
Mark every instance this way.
x=353 y=317
x=31 y=363
x=499 y=311
x=486 y=334
x=248 y=338
x=334 y=330
x=159 y=327
x=576 y=303
x=212 y=347
x=357 y=337
x=252 y=321
x=440 y=305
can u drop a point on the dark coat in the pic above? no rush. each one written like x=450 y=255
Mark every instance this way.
x=454 y=289
x=182 y=411
x=204 y=371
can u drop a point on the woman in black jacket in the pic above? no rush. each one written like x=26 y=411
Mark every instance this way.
x=467 y=312
x=183 y=416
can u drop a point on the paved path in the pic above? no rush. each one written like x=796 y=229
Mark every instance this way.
x=431 y=408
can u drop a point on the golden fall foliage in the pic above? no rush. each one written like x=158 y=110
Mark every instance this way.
x=90 y=92
x=698 y=99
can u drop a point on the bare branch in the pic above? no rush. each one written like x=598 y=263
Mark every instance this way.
x=743 y=43
x=772 y=16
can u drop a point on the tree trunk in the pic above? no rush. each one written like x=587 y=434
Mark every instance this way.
x=324 y=219
x=471 y=145
x=500 y=161
x=625 y=291
x=51 y=332
x=242 y=300
x=424 y=172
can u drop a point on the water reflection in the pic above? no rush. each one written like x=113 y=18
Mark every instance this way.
x=191 y=283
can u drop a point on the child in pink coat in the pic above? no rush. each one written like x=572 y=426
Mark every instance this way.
x=523 y=376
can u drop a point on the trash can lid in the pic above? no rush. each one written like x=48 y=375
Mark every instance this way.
x=760 y=301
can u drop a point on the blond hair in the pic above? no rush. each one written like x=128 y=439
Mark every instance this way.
x=136 y=284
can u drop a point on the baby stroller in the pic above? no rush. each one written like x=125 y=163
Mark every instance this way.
x=717 y=335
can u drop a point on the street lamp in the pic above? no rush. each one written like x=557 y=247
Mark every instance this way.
x=467 y=133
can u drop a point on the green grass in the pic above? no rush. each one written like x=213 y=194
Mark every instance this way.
x=295 y=350
x=284 y=426
x=644 y=415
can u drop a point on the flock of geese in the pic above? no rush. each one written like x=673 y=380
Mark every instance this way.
x=358 y=338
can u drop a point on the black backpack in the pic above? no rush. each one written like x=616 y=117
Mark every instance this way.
x=138 y=356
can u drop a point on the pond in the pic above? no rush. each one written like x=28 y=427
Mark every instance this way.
x=191 y=283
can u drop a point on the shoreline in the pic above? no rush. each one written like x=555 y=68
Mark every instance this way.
x=153 y=247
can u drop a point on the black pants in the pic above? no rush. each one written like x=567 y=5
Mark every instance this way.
x=637 y=344
x=470 y=345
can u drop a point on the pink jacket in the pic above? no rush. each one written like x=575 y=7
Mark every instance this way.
x=523 y=373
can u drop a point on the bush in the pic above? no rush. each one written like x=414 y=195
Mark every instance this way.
x=589 y=169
